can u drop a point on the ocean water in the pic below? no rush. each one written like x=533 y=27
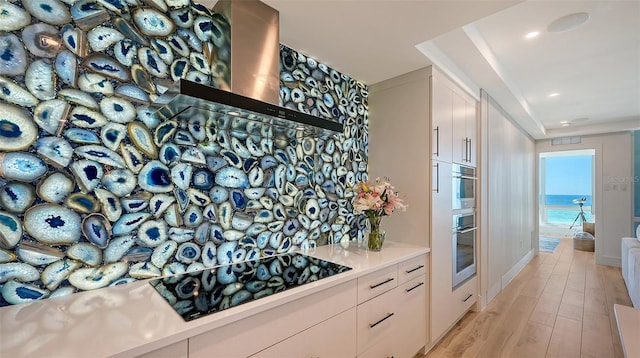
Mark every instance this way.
x=561 y=215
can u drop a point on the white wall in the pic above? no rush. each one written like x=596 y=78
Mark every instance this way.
x=507 y=199
x=613 y=184
x=399 y=148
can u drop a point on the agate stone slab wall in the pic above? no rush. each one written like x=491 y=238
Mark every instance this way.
x=95 y=191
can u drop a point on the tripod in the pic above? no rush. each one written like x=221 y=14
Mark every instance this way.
x=579 y=216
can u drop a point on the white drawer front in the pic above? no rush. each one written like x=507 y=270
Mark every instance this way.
x=377 y=319
x=376 y=283
x=410 y=269
x=273 y=325
x=309 y=343
x=465 y=296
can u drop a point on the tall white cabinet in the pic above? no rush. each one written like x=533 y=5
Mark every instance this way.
x=420 y=124
x=453 y=123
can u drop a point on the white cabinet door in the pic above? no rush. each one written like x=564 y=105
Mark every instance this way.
x=460 y=139
x=471 y=130
x=441 y=250
x=441 y=120
x=412 y=313
x=176 y=350
x=335 y=337
x=464 y=130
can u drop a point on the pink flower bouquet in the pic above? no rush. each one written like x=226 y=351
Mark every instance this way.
x=376 y=200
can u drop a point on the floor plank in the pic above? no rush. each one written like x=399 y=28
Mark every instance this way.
x=566 y=339
x=596 y=336
x=559 y=305
x=533 y=342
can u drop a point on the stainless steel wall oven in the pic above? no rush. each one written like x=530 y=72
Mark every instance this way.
x=464 y=187
x=464 y=247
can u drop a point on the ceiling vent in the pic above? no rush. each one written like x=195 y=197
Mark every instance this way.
x=567 y=140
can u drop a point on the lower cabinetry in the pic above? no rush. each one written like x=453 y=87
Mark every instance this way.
x=253 y=334
x=393 y=323
x=380 y=314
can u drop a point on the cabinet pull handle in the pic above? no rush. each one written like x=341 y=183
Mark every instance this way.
x=414 y=287
x=468 y=146
x=415 y=269
x=467 y=230
x=437 y=130
x=465 y=177
x=468 y=297
x=381 y=283
x=464 y=149
x=380 y=321
x=437 y=167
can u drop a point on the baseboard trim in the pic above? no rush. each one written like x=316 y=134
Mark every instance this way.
x=513 y=272
x=609 y=261
x=427 y=348
x=493 y=291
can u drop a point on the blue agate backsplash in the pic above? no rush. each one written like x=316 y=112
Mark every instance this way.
x=95 y=191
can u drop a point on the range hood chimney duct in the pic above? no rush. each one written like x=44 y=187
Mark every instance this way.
x=255 y=48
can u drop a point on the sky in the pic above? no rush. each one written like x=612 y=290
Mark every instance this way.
x=568 y=175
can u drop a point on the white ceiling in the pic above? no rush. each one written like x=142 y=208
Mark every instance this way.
x=595 y=68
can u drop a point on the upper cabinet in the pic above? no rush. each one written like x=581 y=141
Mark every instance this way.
x=441 y=120
x=453 y=119
x=464 y=130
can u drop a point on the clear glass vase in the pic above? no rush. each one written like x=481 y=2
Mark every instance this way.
x=376 y=236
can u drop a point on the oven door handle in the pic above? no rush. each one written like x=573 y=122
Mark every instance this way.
x=465 y=177
x=467 y=230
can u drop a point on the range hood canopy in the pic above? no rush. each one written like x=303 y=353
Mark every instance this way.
x=229 y=111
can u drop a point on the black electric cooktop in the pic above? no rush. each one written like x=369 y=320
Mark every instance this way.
x=196 y=294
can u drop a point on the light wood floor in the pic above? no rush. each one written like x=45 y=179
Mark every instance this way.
x=559 y=305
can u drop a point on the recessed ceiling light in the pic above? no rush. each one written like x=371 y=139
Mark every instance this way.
x=565 y=123
x=532 y=34
x=568 y=22
x=554 y=94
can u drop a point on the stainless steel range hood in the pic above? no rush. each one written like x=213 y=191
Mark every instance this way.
x=255 y=73
x=229 y=111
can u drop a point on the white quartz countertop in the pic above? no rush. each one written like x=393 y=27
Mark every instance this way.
x=628 y=320
x=133 y=319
